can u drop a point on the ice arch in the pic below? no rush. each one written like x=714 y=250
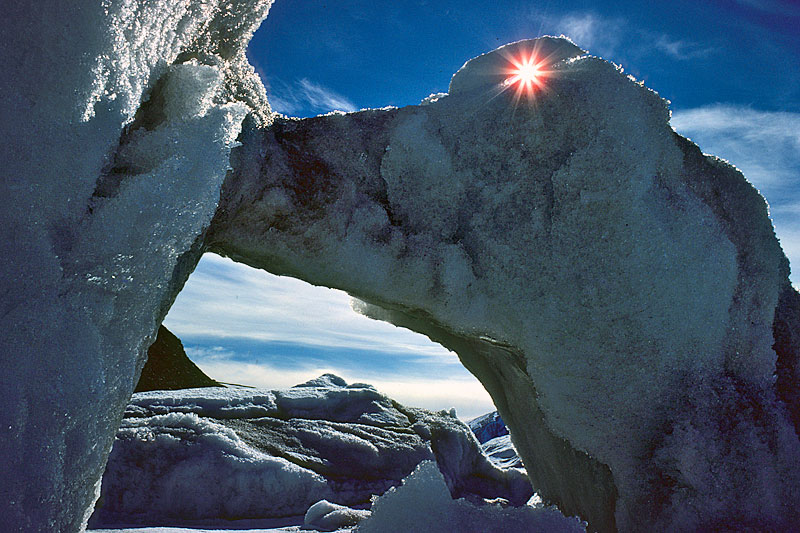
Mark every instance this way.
x=580 y=256
x=612 y=288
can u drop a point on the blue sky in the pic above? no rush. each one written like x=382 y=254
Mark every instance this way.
x=730 y=68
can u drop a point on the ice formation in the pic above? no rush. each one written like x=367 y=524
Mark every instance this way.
x=117 y=123
x=208 y=454
x=423 y=504
x=487 y=427
x=495 y=441
x=577 y=254
x=327 y=516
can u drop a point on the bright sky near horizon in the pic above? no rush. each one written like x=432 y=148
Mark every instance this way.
x=730 y=68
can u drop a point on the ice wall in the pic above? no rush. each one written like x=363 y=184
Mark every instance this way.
x=104 y=199
x=613 y=288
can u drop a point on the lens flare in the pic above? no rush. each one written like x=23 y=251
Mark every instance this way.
x=526 y=74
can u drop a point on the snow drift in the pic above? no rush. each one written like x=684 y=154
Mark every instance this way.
x=577 y=254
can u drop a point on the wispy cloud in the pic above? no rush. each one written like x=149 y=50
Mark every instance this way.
x=320 y=97
x=223 y=299
x=595 y=33
x=615 y=39
x=305 y=96
x=242 y=325
x=681 y=49
x=765 y=146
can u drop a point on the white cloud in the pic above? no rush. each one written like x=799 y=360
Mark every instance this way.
x=223 y=299
x=615 y=39
x=291 y=99
x=599 y=35
x=226 y=301
x=324 y=99
x=765 y=146
x=681 y=49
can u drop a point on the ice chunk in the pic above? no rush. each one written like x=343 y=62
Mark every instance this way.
x=175 y=467
x=423 y=504
x=488 y=426
x=500 y=450
x=327 y=516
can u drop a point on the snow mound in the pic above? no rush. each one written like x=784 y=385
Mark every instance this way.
x=327 y=516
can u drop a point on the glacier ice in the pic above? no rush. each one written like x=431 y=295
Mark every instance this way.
x=488 y=426
x=577 y=254
x=214 y=454
x=327 y=516
x=495 y=441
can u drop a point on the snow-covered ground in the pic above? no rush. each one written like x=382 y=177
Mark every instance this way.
x=251 y=458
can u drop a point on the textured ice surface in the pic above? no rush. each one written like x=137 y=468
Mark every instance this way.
x=495 y=441
x=423 y=504
x=487 y=427
x=577 y=254
x=327 y=516
x=103 y=198
x=222 y=453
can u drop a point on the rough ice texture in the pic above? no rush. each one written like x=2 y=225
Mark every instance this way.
x=578 y=255
x=168 y=367
x=423 y=504
x=104 y=200
x=488 y=426
x=222 y=453
x=495 y=441
x=327 y=516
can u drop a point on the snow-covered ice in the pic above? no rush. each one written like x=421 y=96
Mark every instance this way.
x=215 y=453
x=576 y=253
x=488 y=426
x=423 y=504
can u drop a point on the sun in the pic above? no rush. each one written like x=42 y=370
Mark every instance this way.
x=526 y=73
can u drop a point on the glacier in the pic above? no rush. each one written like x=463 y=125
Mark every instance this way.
x=621 y=295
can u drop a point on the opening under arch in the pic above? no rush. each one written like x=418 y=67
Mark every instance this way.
x=247 y=326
